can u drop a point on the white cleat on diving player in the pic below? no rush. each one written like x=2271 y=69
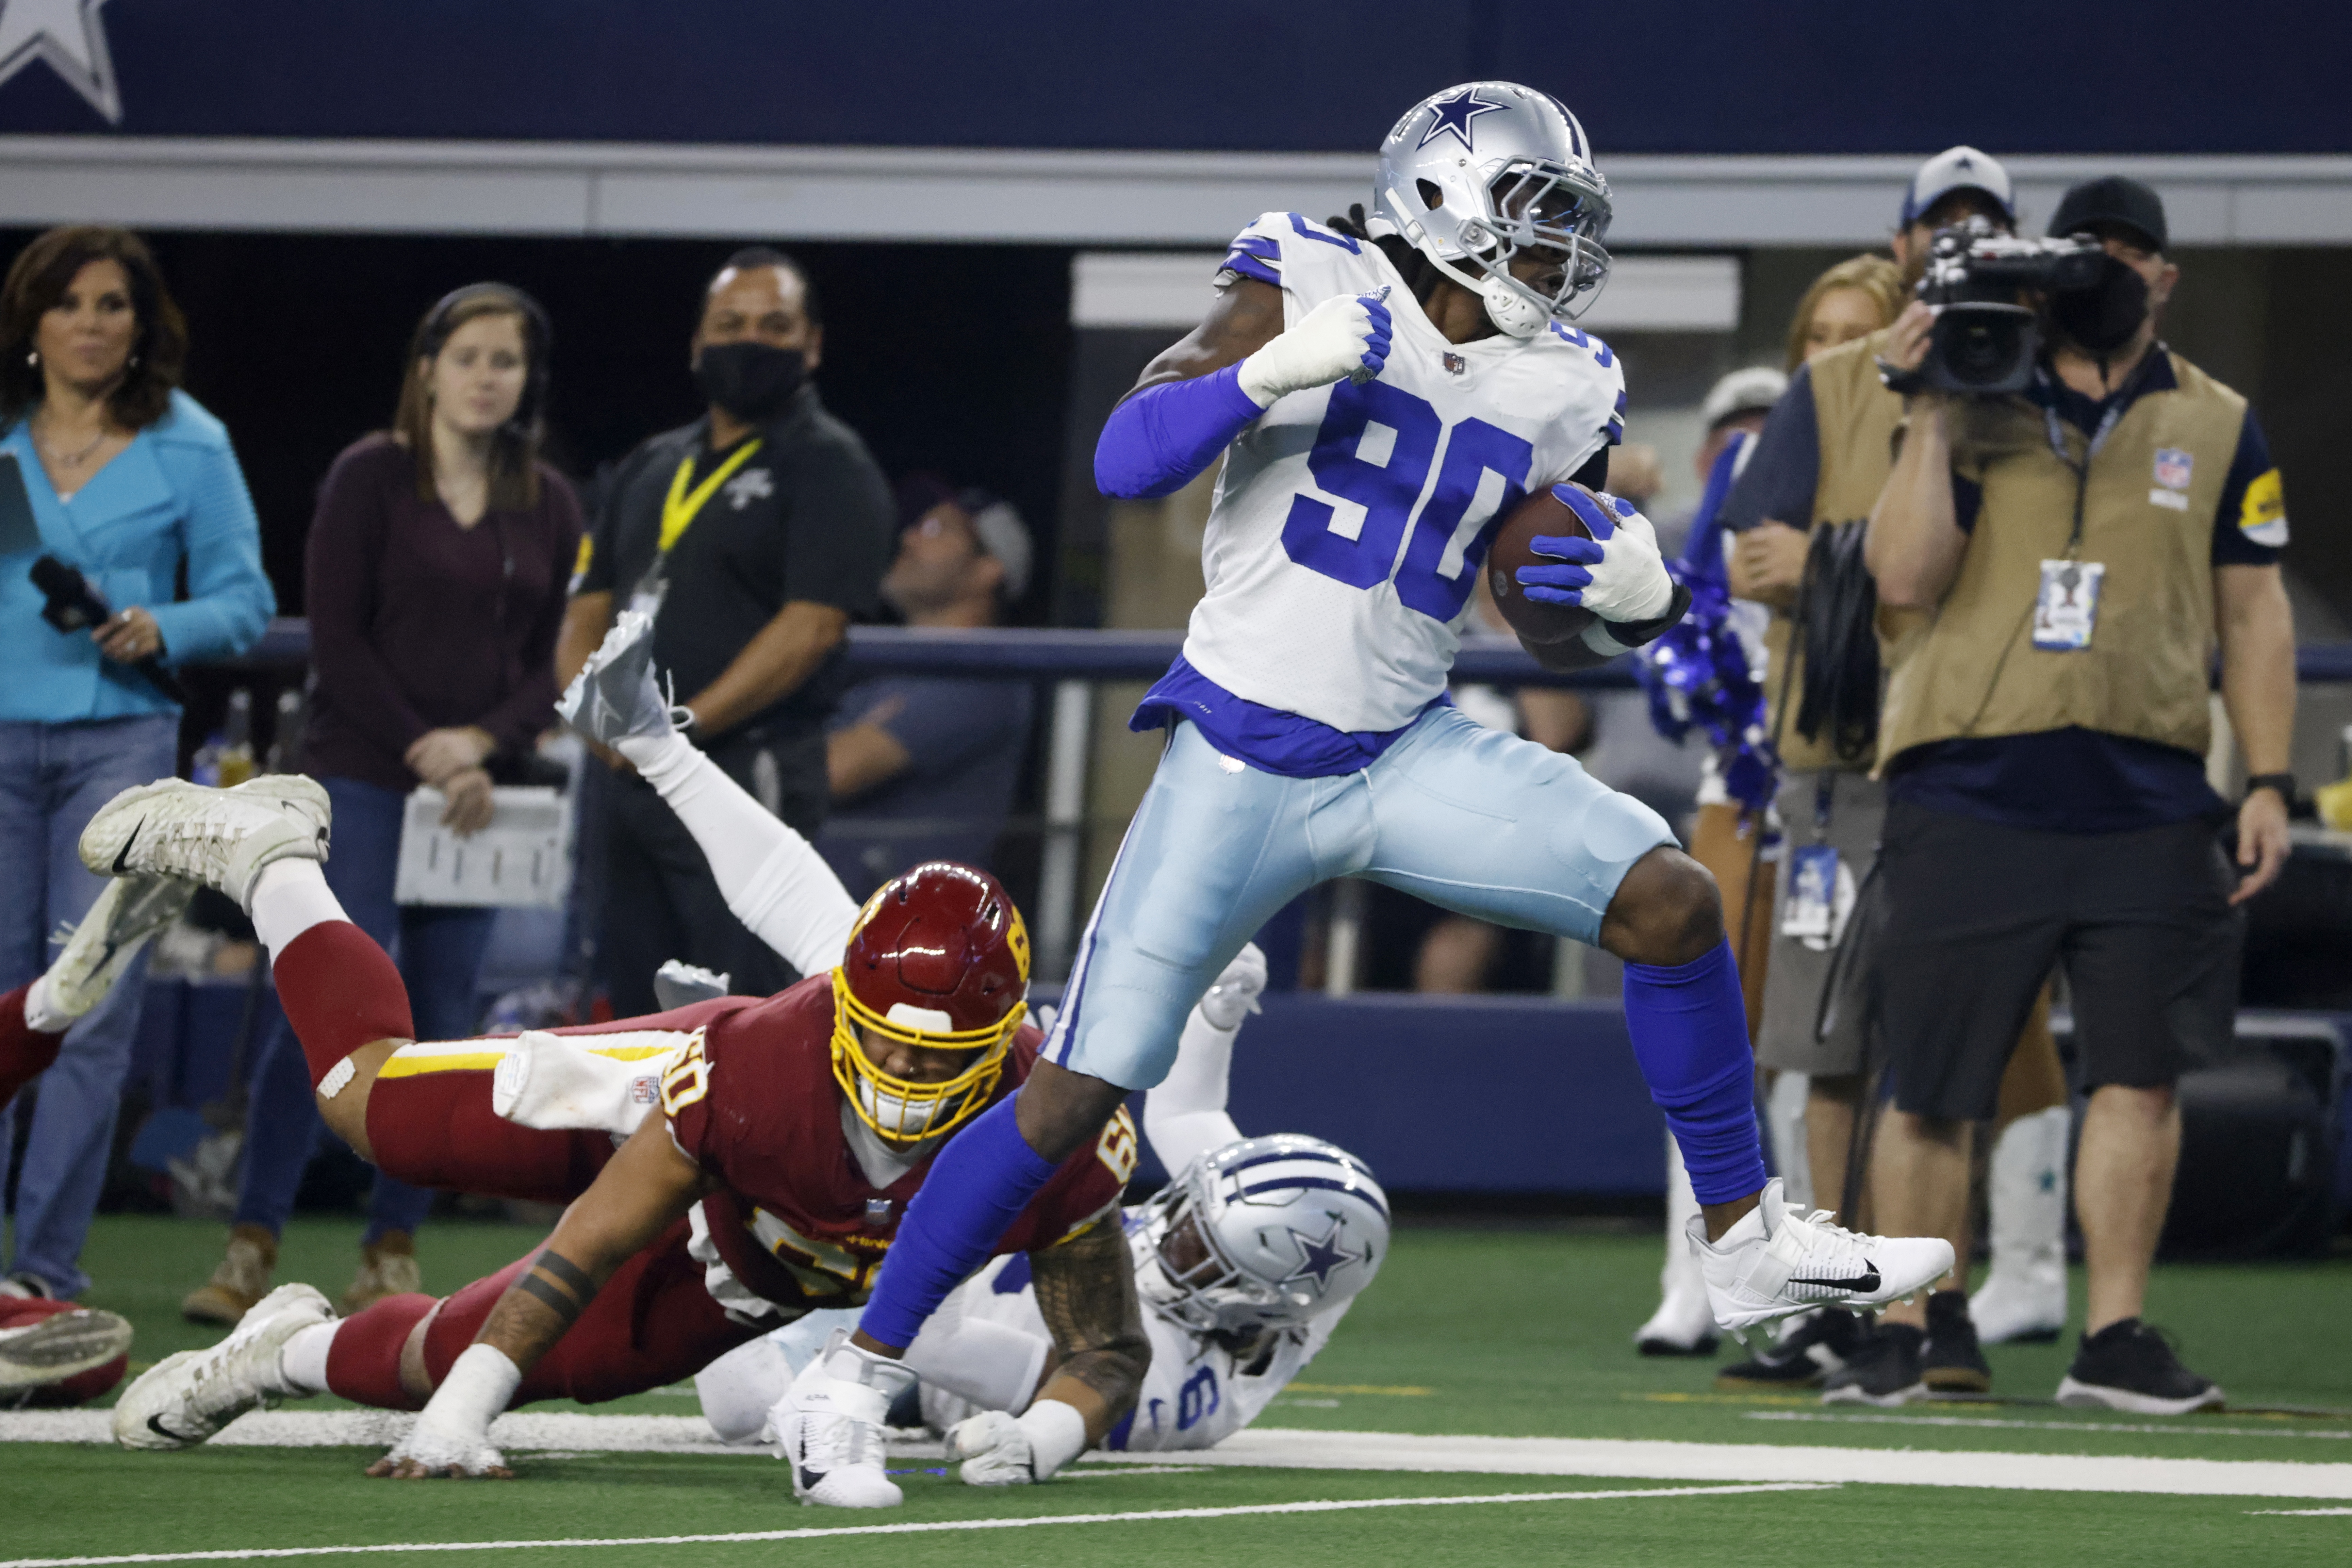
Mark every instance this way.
x=186 y=1398
x=220 y=839
x=1779 y=1260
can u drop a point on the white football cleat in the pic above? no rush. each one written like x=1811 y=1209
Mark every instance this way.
x=129 y=911
x=2023 y=1296
x=614 y=696
x=60 y=1345
x=220 y=837
x=828 y=1427
x=1779 y=1260
x=185 y=1399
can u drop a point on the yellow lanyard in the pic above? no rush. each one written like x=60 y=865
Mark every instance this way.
x=680 y=507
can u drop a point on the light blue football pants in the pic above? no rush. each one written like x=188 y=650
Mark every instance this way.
x=1472 y=819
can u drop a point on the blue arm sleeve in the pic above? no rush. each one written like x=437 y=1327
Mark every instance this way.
x=1164 y=437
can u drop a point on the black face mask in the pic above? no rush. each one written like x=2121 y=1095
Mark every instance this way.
x=750 y=380
x=2101 y=319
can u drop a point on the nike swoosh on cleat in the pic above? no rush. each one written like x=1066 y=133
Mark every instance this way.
x=155 y=1425
x=1865 y=1281
x=122 y=856
x=809 y=1480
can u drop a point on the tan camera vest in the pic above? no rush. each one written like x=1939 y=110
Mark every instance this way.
x=1970 y=668
x=1859 y=422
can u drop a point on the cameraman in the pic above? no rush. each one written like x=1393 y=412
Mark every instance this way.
x=2083 y=548
x=1817 y=469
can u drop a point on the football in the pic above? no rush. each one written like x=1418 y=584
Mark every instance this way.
x=1541 y=513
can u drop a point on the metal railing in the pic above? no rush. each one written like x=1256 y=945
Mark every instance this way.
x=1077 y=661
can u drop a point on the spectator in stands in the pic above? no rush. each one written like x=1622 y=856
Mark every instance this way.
x=1816 y=470
x=435 y=586
x=2086 y=548
x=923 y=767
x=752 y=536
x=116 y=473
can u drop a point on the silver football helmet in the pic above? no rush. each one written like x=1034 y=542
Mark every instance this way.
x=1268 y=1232
x=1488 y=171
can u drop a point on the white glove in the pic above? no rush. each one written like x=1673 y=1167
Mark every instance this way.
x=998 y=1450
x=451 y=1437
x=1344 y=335
x=992 y=1449
x=1235 y=994
x=1617 y=573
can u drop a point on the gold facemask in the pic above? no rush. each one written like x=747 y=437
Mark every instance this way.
x=901 y=1111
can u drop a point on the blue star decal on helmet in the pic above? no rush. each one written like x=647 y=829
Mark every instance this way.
x=1318 y=1258
x=1452 y=116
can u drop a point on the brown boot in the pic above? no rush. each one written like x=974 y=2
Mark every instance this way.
x=387 y=1268
x=241 y=1278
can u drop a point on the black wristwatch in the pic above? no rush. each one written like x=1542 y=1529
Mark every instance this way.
x=2282 y=783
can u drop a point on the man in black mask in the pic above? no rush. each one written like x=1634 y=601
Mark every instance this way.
x=751 y=536
x=2086 y=548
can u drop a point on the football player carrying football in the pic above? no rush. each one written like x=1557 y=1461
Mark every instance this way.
x=1382 y=391
x=776 y=1143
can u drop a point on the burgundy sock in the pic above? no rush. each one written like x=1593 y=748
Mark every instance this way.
x=25 y=1052
x=364 y=1361
x=341 y=992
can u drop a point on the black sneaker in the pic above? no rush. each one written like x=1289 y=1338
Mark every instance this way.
x=1953 y=1362
x=2129 y=1366
x=1810 y=1348
x=1886 y=1373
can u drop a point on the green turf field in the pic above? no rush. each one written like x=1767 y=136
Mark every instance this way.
x=1510 y=1333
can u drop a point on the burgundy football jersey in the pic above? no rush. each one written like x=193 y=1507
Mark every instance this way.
x=753 y=1102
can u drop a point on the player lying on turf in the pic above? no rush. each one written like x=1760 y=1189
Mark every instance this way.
x=1381 y=392
x=1246 y=1261
x=1259 y=1280
x=781 y=1140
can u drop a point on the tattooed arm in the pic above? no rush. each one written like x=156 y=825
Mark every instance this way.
x=646 y=1186
x=1086 y=1292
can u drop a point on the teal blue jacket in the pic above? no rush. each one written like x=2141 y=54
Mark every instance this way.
x=175 y=494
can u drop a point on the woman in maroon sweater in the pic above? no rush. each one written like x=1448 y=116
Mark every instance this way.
x=438 y=567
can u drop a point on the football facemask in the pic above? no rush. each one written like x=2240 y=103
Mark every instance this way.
x=900 y=1111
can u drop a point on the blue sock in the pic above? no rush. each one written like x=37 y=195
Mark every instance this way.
x=1689 y=1025
x=975 y=1190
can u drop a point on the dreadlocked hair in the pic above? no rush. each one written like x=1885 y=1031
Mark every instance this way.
x=1419 y=274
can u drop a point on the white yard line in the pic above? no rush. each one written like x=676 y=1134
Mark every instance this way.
x=944 y=1526
x=1276 y=1448
x=2300 y=1513
x=529 y=1431
x=2163 y=1429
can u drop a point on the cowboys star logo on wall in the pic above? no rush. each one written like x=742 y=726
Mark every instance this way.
x=68 y=36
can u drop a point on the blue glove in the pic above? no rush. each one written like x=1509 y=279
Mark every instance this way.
x=1617 y=574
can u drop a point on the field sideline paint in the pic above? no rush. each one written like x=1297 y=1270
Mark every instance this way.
x=943 y=1526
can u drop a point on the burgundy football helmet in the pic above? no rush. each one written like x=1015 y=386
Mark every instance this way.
x=939 y=958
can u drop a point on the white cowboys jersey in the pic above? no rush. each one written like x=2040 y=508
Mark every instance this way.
x=1351 y=520
x=1196 y=1393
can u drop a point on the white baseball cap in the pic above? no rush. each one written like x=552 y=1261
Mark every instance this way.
x=1750 y=391
x=1959 y=168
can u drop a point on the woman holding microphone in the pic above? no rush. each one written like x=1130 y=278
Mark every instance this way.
x=111 y=470
x=437 y=566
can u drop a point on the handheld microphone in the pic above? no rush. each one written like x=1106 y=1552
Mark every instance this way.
x=73 y=605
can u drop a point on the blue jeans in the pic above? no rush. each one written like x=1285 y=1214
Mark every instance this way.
x=53 y=777
x=440 y=956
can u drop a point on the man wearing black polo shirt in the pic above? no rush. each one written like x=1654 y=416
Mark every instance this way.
x=2086 y=548
x=752 y=536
